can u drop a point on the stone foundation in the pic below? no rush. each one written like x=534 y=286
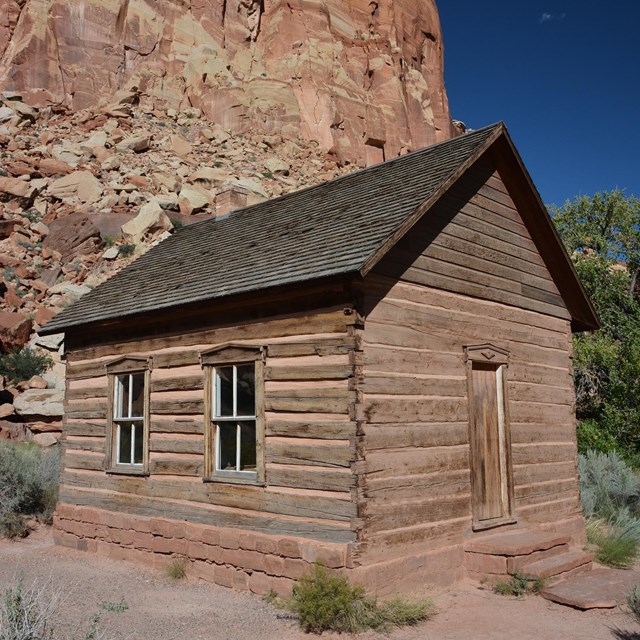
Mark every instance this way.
x=228 y=557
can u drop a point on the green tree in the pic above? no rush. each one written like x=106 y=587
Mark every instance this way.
x=602 y=234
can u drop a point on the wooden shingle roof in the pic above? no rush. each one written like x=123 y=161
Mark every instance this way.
x=335 y=228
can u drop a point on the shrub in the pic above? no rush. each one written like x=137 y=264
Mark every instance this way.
x=25 y=612
x=177 y=568
x=29 y=479
x=517 y=585
x=126 y=250
x=327 y=602
x=23 y=364
x=633 y=600
x=607 y=484
x=617 y=541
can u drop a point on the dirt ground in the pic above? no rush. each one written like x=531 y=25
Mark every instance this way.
x=160 y=609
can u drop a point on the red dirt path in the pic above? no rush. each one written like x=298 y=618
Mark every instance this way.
x=160 y=609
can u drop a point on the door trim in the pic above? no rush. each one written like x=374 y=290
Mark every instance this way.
x=489 y=356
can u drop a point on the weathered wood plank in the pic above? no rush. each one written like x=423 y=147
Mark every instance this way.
x=378 y=383
x=246 y=497
x=87 y=393
x=338 y=430
x=85 y=429
x=319 y=455
x=320 y=372
x=397 y=436
x=405 y=462
x=325 y=480
x=177 y=407
x=187 y=383
x=324 y=322
x=175 y=445
x=398 y=409
x=543 y=452
x=177 y=426
x=283 y=526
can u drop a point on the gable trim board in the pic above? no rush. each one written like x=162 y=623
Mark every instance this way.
x=340 y=228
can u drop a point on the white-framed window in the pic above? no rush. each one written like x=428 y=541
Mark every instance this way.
x=234 y=419
x=234 y=413
x=128 y=416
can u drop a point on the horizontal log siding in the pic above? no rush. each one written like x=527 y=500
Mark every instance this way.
x=310 y=432
x=484 y=283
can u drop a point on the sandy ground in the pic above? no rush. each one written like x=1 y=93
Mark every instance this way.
x=159 y=609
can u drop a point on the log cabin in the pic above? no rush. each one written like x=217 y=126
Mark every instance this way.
x=374 y=373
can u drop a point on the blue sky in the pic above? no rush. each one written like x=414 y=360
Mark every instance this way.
x=563 y=75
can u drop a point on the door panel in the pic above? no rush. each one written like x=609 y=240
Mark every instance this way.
x=487 y=444
x=490 y=446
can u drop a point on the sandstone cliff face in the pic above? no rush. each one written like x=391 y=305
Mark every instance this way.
x=363 y=78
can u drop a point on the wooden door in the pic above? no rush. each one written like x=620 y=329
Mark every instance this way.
x=491 y=475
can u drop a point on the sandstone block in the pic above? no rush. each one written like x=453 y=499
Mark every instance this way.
x=17 y=188
x=40 y=402
x=137 y=144
x=150 y=218
x=80 y=184
x=15 y=330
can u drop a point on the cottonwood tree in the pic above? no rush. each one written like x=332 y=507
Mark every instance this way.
x=602 y=234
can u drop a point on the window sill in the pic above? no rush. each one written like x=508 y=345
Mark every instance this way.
x=128 y=471
x=234 y=480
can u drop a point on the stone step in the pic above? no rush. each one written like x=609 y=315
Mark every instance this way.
x=597 y=589
x=557 y=565
x=516 y=543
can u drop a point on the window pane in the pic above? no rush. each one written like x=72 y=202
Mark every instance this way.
x=227 y=446
x=124 y=449
x=224 y=391
x=247 y=446
x=246 y=393
x=122 y=401
x=137 y=393
x=139 y=439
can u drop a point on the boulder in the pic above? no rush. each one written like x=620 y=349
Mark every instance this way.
x=276 y=166
x=69 y=234
x=15 y=330
x=193 y=199
x=53 y=167
x=80 y=184
x=179 y=146
x=45 y=439
x=137 y=144
x=40 y=402
x=151 y=218
x=17 y=188
x=6 y=410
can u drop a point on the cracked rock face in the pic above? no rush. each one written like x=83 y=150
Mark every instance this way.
x=363 y=78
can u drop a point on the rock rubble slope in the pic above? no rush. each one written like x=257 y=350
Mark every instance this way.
x=83 y=194
x=364 y=78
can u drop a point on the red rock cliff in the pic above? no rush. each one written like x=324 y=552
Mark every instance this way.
x=364 y=78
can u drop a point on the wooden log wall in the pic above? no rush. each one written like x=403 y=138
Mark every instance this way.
x=480 y=280
x=310 y=431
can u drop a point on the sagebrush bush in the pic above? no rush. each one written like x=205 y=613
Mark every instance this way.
x=26 y=612
x=324 y=601
x=617 y=540
x=633 y=600
x=607 y=484
x=29 y=478
x=24 y=364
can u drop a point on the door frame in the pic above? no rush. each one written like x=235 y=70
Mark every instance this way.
x=492 y=356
